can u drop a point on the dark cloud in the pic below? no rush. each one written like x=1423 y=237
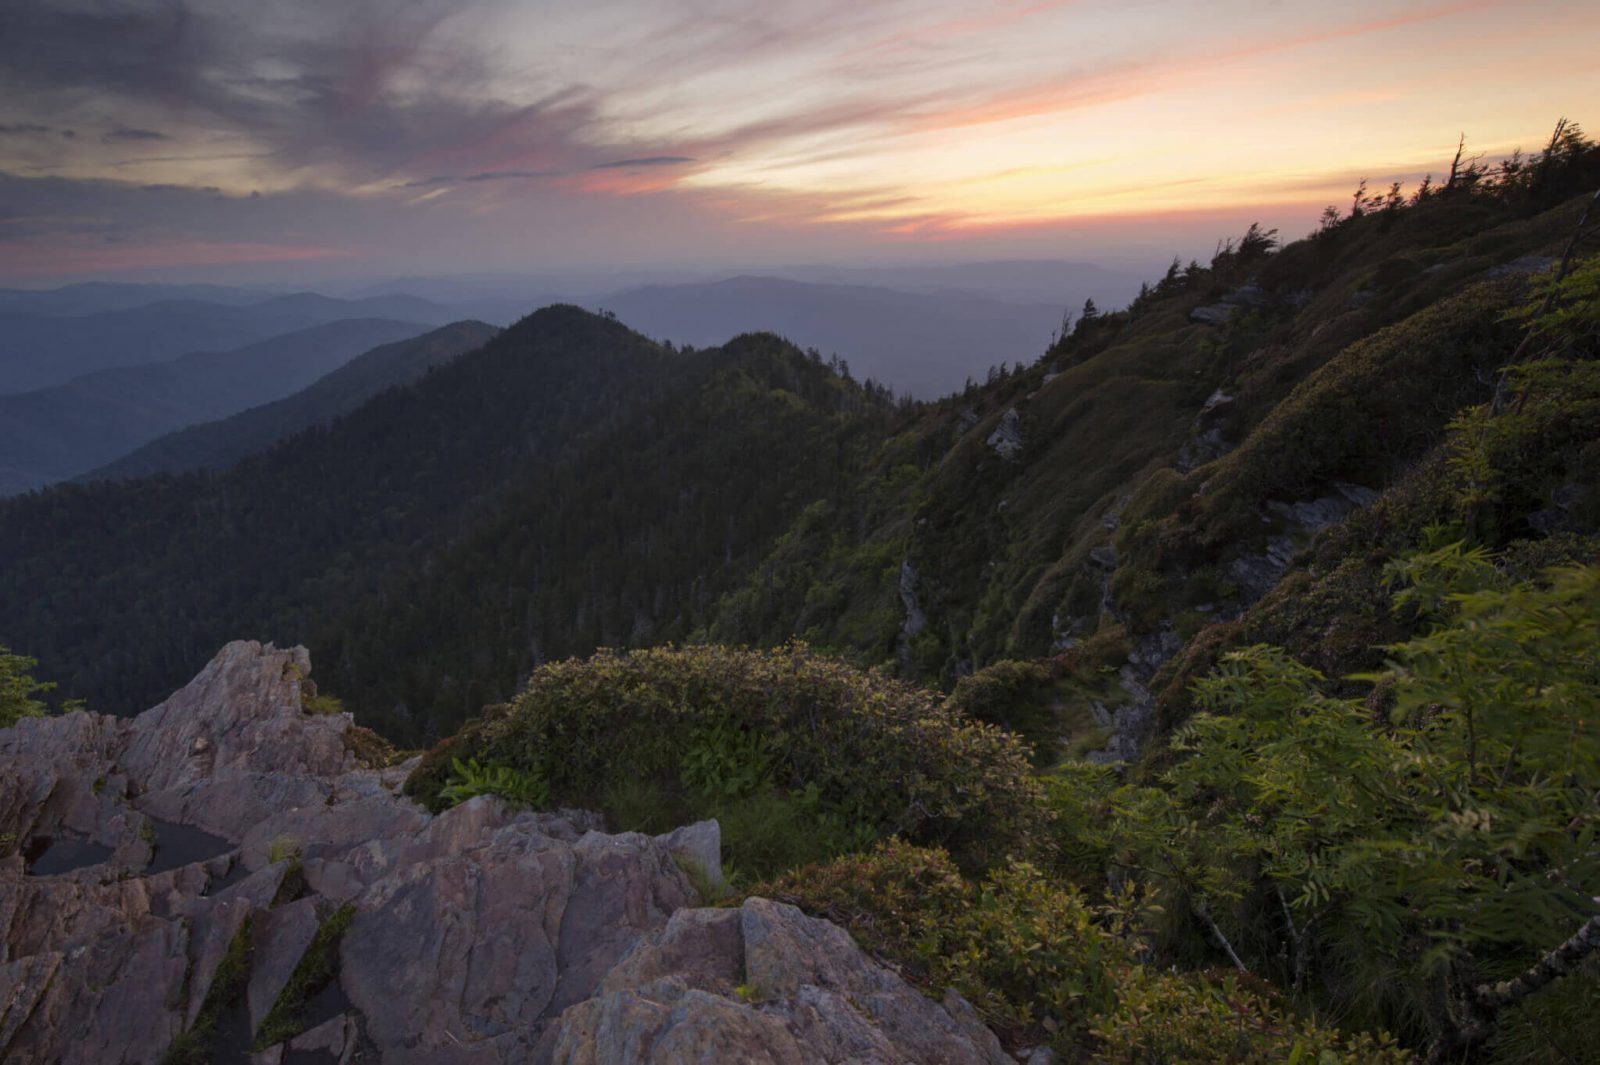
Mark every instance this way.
x=25 y=127
x=368 y=89
x=127 y=134
x=487 y=175
x=649 y=160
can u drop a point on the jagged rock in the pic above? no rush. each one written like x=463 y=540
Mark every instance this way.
x=1104 y=556
x=480 y=935
x=1256 y=574
x=1208 y=441
x=809 y=996
x=1522 y=267
x=1248 y=294
x=1215 y=401
x=915 y=619
x=1557 y=517
x=1007 y=436
x=699 y=845
x=1212 y=313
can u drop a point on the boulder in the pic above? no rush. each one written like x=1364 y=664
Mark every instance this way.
x=481 y=935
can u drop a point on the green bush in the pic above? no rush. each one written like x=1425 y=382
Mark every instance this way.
x=1029 y=954
x=1042 y=965
x=1163 y=1017
x=1015 y=696
x=708 y=730
x=18 y=687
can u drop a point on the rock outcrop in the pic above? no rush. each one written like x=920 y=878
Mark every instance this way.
x=1007 y=436
x=222 y=869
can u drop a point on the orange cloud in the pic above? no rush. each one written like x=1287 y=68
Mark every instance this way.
x=1141 y=79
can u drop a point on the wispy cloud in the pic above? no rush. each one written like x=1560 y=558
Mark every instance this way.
x=684 y=126
x=645 y=161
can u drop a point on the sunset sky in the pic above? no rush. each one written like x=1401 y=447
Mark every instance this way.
x=277 y=139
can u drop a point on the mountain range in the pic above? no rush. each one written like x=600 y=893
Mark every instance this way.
x=219 y=444
x=62 y=431
x=572 y=484
x=37 y=351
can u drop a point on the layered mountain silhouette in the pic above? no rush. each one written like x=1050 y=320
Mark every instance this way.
x=219 y=444
x=59 y=432
x=38 y=350
x=573 y=484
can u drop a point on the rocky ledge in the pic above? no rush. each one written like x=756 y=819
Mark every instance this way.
x=221 y=879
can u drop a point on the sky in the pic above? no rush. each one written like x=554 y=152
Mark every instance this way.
x=305 y=139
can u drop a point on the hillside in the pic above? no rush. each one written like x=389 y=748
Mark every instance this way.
x=219 y=444
x=563 y=410
x=59 y=432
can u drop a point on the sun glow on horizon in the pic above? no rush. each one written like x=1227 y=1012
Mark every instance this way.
x=860 y=123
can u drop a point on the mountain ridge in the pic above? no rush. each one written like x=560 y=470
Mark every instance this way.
x=219 y=444
x=59 y=432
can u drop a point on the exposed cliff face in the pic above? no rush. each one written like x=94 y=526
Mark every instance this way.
x=222 y=869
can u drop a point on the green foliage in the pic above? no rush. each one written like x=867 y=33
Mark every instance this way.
x=780 y=745
x=228 y=985
x=724 y=761
x=1202 y=1019
x=1505 y=467
x=321 y=705
x=1444 y=846
x=1041 y=964
x=18 y=687
x=1030 y=955
x=283 y=848
x=317 y=967
x=470 y=778
x=1565 y=309
x=1015 y=696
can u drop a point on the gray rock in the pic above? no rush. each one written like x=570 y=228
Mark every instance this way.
x=1524 y=266
x=1212 y=313
x=281 y=940
x=1248 y=294
x=699 y=845
x=1007 y=436
x=482 y=935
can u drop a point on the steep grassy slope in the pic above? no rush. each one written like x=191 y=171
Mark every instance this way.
x=1158 y=457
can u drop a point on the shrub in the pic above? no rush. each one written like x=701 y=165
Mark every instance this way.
x=18 y=687
x=1042 y=965
x=470 y=779
x=1030 y=955
x=1015 y=696
x=1198 y=1019
x=707 y=728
